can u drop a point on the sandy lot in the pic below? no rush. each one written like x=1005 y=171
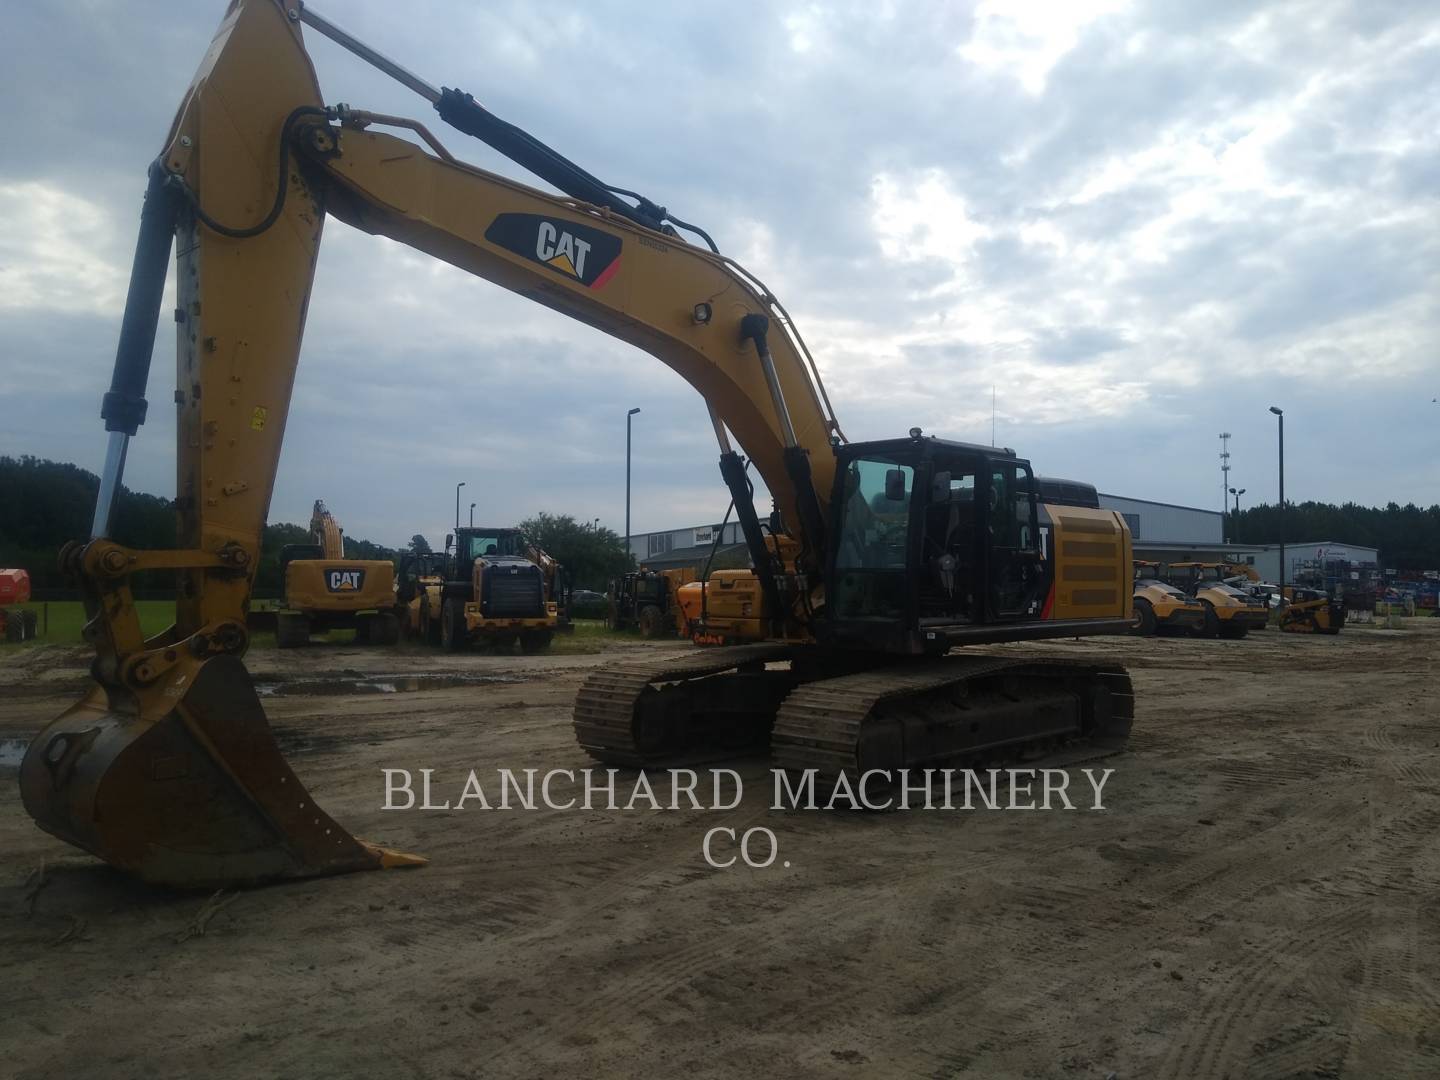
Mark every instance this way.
x=1261 y=897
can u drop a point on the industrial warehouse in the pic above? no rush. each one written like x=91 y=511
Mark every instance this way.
x=929 y=756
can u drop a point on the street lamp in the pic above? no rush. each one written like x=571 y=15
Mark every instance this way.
x=472 y=515
x=1235 y=517
x=1280 y=413
x=457 y=502
x=628 y=417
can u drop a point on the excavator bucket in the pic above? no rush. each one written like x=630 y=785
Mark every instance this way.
x=186 y=787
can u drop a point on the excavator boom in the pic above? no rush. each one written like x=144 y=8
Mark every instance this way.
x=168 y=768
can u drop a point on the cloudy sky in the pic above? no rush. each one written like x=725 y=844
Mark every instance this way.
x=1140 y=223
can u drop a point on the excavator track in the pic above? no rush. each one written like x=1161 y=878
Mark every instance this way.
x=943 y=711
x=659 y=711
x=896 y=715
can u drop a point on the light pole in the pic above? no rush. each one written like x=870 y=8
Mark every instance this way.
x=1280 y=413
x=472 y=515
x=457 y=502
x=628 y=417
x=1237 y=495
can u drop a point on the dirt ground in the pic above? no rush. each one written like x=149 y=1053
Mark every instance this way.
x=1260 y=898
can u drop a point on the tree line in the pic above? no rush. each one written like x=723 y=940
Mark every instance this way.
x=44 y=504
x=1408 y=537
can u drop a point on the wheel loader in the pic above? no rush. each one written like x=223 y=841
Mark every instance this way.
x=885 y=570
x=421 y=580
x=1229 y=612
x=325 y=591
x=1161 y=608
x=498 y=589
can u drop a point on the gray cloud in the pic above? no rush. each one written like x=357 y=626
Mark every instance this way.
x=1140 y=228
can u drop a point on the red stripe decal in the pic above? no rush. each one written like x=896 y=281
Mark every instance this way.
x=606 y=275
x=1049 y=602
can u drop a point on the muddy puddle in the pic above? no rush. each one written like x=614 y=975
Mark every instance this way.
x=375 y=684
x=11 y=751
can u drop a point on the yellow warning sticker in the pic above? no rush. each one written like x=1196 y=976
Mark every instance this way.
x=257 y=418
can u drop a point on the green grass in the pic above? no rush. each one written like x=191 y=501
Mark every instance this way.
x=60 y=621
x=67 y=617
x=590 y=636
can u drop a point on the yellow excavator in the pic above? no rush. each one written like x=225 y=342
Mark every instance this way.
x=325 y=591
x=879 y=559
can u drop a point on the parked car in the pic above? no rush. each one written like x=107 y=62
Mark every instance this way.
x=588 y=604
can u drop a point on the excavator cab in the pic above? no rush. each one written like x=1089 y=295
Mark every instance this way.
x=933 y=540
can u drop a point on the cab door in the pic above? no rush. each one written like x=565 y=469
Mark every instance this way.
x=1014 y=559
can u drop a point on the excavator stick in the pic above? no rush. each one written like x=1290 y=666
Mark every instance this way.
x=195 y=795
x=168 y=768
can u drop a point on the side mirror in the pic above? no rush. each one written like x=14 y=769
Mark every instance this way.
x=449 y=541
x=940 y=488
x=895 y=485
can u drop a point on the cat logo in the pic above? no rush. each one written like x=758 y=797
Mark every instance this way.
x=580 y=253
x=344 y=580
x=562 y=251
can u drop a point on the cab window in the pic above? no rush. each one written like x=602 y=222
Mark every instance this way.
x=875 y=516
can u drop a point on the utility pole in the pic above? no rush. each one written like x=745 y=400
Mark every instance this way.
x=1224 y=480
x=628 y=417
x=1280 y=414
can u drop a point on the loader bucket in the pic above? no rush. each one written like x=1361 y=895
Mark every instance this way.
x=184 y=786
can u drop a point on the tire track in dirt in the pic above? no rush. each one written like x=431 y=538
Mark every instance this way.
x=674 y=970
x=1185 y=888
x=1234 y=1012
x=1394 y=1005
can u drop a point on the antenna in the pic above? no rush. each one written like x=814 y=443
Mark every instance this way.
x=992 y=414
x=1224 y=479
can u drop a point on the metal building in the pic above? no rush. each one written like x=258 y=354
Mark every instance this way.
x=671 y=548
x=1163 y=532
x=1305 y=555
x=1157 y=522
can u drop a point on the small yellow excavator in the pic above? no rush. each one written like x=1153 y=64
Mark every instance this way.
x=326 y=591
x=1161 y=608
x=881 y=558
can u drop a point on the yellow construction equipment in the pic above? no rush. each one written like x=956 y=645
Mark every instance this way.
x=499 y=588
x=422 y=583
x=649 y=601
x=1161 y=608
x=1311 y=611
x=879 y=558
x=1229 y=613
x=326 y=591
